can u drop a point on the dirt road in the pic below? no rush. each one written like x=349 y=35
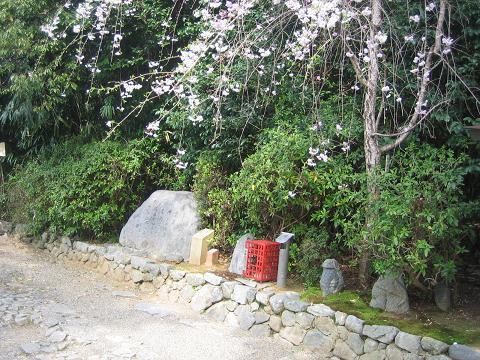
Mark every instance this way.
x=51 y=310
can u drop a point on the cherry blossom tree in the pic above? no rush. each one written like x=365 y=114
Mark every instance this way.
x=394 y=55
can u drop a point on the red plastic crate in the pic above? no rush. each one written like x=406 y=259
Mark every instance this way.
x=262 y=260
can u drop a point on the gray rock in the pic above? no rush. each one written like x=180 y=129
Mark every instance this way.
x=393 y=352
x=163 y=225
x=254 y=306
x=231 y=305
x=22 y=230
x=326 y=326
x=81 y=246
x=139 y=262
x=137 y=276
x=205 y=297
x=187 y=293
x=355 y=342
x=437 y=357
x=433 y=346
x=243 y=294
x=462 y=352
x=261 y=330
x=305 y=320
x=57 y=336
x=374 y=355
x=340 y=318
x=410 y=356
x=264 y=296
x=238 y=262
x=442 y=296
x=177 y=275
x=195 y=279
x=227 y=288
x=213 y=279
x=152 y=269
x=277 y=301
x=343 y=351
x=295 y=305
x=382 y=333
x=245 y=317
x=275 y=323
x=261 y=317
x=408 y=342
x=165 y=269
x=354 y=324
x=288 y=318
x=370 y=345
x=317 y=340
x=320 y=310
x=30 y=348
x=217 y=312
x=331 y=281
x=247 y=282
x=389 y=294
x=293 y=334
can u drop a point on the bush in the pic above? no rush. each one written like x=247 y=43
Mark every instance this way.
x=420 y=226
x=88 y=189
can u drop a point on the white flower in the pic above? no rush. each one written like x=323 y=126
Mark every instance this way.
x=311 y=163
x=366 y=58
x=355 y=87
x=181 y=165
x=153 y=64
x=381 y=37
x=366 y=12
x=345 y=146
x=181 y=152
x=338 y=128
x=293 y=5
x=323 y=156
x=386 y=88
x=349 y=54
x=313 y=151
x=76 y=29
x=447 y=41
x=398 y=99
x=415 y=19
x=108 y=124
x=317 y=126
x=409 y=38
x=292 y=194
x=430 y=7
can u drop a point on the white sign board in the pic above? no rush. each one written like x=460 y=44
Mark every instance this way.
x=3 y=150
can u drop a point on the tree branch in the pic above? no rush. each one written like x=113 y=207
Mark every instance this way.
x=434 y=50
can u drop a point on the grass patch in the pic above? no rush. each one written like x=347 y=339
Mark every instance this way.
x=357 y=304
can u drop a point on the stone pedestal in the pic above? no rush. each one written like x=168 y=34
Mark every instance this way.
x=212 y=257
x=199 y=248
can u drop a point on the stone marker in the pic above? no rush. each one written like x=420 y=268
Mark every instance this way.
x=389 y=294
x=3 y=149
x=332 y=278
x=212 y=257
x=163 y=225
x=199 y=247
x=238 y=262
x=442 y=296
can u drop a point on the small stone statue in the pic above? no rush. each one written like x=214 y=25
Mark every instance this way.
x=390 y=294
x=442 y=296
x=332 y=278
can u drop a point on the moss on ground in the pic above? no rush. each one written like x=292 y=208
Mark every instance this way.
x=357 y=304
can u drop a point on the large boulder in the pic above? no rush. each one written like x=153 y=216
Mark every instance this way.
x=163 y=225
x=239 y=261
x=389 y=294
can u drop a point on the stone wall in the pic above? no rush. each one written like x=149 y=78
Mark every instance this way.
x=256 y=307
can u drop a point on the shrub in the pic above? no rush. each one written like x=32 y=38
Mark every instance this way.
x=420 y=225
x=88 y=189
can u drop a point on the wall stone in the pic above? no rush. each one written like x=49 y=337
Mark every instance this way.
x=247 y=305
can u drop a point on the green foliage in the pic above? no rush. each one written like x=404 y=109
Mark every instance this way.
x=350 y=302
x=420 y=224
x=90 y=189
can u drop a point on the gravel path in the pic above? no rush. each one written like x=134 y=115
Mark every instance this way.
x=51 y=310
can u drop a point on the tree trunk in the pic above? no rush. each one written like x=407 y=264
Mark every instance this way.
x=371 y=148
